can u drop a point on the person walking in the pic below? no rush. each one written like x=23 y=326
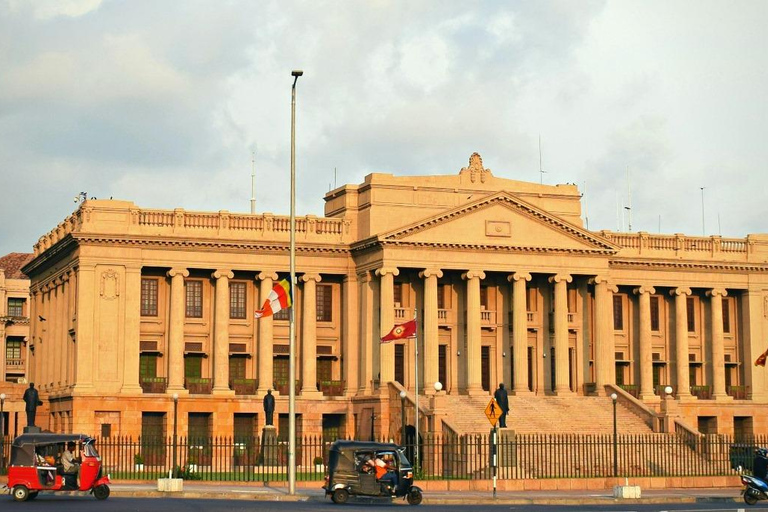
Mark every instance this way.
x=503 y=400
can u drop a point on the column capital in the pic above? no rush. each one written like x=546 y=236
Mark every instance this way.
x=430 y=272
x=387 y=270
x=364 y=277
x=267 y=274
x=308 y=276
x=218 y=274
x=681 y=290
x=517 y=276
x=568 y=278
x=178 y=271
x=714 y=292
x=644 y=289
x=471 y=274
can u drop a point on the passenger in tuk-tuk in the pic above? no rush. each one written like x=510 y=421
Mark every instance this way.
x=384 y=468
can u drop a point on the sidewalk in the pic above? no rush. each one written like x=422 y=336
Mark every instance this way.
x=212 y=490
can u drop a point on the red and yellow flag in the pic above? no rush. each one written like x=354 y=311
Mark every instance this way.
x=279 y=298
x=402 y=331
x=761 y=360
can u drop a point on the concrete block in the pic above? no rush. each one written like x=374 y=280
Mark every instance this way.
x=626 y=491
x=170 y=484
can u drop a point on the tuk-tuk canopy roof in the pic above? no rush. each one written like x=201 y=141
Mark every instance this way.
x=363 y=446
x=40 y=439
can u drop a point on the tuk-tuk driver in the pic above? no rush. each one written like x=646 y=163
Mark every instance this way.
x=70 y=463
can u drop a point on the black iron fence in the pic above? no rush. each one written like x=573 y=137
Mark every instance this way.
x=440 y=456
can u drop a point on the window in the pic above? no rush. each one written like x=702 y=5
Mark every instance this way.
x=106 y=430
x=280 y=370
x=193 y=367
x=530 y=299
x=324 y=369
x=726 y=316
x=618 y=313
x=655 y=313
x=571 y=300
x=12 y=350
x=237 y=300
x=484 y=297
x=148 y=297
x=236 y=367
x=283 y=314
x=441 y=296
x=397 y=295
x=691 y=307
x=200 y=427
x=148 y=365
x=324 y=301
x=194 y=299
x=15 y=307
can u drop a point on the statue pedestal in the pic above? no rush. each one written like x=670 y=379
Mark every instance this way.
x=269 y=446
x=32 y=430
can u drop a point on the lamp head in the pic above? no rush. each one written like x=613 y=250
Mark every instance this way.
x=2 y=396
x=614 y=396
x=175 y=397
x=403 y=394
x=297 y=72
x=668 y=390
x=438 y=386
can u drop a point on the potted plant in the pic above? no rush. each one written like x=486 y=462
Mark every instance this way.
x=138 y=462
x=318 y=462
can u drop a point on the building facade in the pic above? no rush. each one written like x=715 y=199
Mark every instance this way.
x=505 y=282
x=14 y=335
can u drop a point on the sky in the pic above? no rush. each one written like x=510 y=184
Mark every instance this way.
x=163 y=103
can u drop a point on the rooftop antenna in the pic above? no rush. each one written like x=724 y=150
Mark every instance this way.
x=619 y=227
x=541 y=171
x=659 y=223
x=334 y=177
x=719 y=229
x=629 y=196
x=584 y=195
x=253 y=182
x=703 y=227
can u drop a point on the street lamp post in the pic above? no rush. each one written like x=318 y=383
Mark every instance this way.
x=2 y=431
x=615 y=397
x=403 y=394
x=291 y=325
x=175 y=431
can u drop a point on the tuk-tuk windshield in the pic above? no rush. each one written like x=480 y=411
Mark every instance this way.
x=89 y=450
x=404 y=463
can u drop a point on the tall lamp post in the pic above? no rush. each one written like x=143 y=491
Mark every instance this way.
x=2 y=431
x=175 y=431
x=291 y=325
x=403 y=394
x=615 y=397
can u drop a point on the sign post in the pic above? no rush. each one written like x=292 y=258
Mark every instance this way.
x=492 y=412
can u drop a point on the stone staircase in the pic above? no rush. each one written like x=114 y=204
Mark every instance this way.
x=543 y=415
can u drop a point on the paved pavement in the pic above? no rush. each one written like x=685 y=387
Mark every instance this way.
x=214 y=490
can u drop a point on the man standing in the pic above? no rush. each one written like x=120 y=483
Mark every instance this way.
x=32 y=400
x=269 y=406
x=501 y=398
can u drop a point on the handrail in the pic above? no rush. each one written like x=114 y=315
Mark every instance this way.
x=636 y=406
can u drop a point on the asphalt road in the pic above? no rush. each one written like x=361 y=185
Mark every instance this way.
x=61 y=503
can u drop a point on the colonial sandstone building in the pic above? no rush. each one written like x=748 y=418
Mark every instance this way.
x=507 y=283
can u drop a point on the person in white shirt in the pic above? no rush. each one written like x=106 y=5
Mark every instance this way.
x=69 y=461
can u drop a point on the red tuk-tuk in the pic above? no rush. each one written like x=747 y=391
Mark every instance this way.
x=36 y=466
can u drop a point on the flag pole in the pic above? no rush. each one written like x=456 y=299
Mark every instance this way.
x=416 y=441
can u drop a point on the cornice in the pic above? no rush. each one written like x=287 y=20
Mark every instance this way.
x=484 y=247
x=688 y=265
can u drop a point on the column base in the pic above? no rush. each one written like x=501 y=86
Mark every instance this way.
x=131 y=390
x=522 y=392
x=476 y=390
x=650 y=398
x=725 y=397
x=179 y=391
x=223 y=392
x=563 y=392
x=686 y=398
x=311 y=393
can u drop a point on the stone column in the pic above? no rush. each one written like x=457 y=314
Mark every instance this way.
x=86 y=287
x=366 y=333
x=521 y=385
x=309 y=336
x=604 y=357
x=350 y=342
x=562 y=368
x=682 y=380
x=718 y=354
x=646 y=359
x=64 y=329
x=386 y=322
x=4 y=312
x=431 y=356
x=131 y=343
x=266 y=351
x=474 y=331
x=34 y=328
x=176 y=331
x=57 y=323
x=221 y=333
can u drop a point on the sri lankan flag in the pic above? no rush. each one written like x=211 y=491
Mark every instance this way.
x=399 y=332
x=279 y=298
x=761 y=360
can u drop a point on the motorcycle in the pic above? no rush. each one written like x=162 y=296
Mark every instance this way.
x=755 y=485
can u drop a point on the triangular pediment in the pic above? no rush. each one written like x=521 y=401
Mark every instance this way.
x=500 y=220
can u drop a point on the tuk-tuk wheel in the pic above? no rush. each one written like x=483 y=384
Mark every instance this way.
x=20 y=493
x=101 y=492
x=340 y=496
x=414 y=497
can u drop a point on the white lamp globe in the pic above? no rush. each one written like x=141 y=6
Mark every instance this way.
x=438 y=386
